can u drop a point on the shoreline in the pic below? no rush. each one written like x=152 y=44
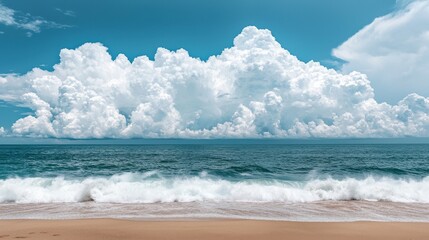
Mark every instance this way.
x=328 y=211
x=94 y=229
x=209 y=219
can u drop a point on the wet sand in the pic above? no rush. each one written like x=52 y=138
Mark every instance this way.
x=105 y=229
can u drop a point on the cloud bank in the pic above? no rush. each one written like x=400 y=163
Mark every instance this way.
x=254 y=89
x=393 y=51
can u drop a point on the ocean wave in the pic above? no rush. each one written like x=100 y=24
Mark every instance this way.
x=151 y=187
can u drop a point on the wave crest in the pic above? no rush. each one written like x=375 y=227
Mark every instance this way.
x=151 y=187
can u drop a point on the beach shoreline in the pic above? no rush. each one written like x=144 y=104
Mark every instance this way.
x=94 y=229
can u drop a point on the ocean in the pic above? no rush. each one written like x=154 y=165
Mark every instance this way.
x=295 y=182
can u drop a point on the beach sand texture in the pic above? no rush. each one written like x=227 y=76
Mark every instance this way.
x=105 y=229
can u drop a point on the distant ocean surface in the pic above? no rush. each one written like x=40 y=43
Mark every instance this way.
x=309 y=182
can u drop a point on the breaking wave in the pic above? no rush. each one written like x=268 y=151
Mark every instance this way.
x=150 y=187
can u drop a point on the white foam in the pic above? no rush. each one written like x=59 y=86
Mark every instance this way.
x=151 y=187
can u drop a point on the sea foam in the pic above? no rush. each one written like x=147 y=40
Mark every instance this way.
x=152 y=188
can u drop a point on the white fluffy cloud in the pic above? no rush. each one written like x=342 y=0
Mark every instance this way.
x=393 y=51
x=256 y=88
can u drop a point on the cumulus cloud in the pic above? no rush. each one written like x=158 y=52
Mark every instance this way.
x=393 y=51
x=254 y=89
x=10 y=17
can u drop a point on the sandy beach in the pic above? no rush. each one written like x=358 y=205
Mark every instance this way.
x=105 y=229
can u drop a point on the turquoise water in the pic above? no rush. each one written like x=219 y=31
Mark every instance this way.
x=275 y=177
x=232 y=162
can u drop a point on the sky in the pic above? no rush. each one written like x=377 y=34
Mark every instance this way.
x=309 y=29
x=214 y=69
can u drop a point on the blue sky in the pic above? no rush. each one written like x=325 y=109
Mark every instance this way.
x=310 y=30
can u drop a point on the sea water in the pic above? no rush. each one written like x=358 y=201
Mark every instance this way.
x=308 y=182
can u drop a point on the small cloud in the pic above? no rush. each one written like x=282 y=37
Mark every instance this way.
x=25 y=113
x=403 y=3
x=25 y=21
x=332 y=63
x=66 y=12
